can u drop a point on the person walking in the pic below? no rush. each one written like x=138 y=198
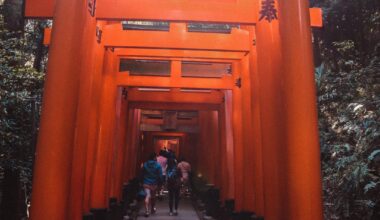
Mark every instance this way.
x=162 y=160
x=152 y=178
x=185 y=168
x=174 y=185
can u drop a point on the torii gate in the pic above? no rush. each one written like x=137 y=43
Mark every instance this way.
x=266 y=106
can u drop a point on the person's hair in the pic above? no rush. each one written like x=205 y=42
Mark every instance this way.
x=152 y=156
x=162 y=153
x=171 y=154
x=171 y=163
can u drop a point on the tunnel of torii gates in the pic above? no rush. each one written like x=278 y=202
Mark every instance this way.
x=239 y=102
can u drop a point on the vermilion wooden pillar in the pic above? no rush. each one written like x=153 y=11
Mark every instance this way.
x=200 y=152
x=248 y=145
x=113 y=148
x=115 y=152
x=204 y=163
x=256 y=146
x=52 y=172
x=128 y=151
x=216 y=146
x=93 y=120
x=302 y=139
x=226 y=148
x=137 y=144
x=270 y=78
x=229 y=144
x=89 y=78
x=208 y=151
x=223 y=170
x=100 y=178
x=132 y=163
x=121 y=142
x=237 y=128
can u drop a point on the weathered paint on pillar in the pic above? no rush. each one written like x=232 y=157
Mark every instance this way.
x=99 y=189
x=52 y=172
x=272 y=112
x=304 y=200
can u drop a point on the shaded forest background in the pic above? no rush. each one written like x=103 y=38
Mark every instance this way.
x=347 y=72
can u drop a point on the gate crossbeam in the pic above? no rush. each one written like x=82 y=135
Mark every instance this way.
x=176 y=38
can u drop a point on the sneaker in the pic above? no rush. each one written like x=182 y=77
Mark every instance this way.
x=154 y=210
x=171 y=214
x=175 y=212
x=147 y=214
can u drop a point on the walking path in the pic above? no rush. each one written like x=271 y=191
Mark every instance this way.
x=185 y=211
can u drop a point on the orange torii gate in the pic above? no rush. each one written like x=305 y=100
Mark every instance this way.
x=266 y=107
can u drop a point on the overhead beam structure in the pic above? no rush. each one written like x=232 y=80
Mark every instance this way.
x=176 y=38
x=171 y=106
x=176 y=96
x=215 y=56
x=222 y=11
x=39 y=8
x=124 y=79
x=228 y=11
x=176 y=80
x=159 y=121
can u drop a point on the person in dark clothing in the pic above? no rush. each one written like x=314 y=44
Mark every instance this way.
x=174 y=184
x=152 y=178
x=171 y=154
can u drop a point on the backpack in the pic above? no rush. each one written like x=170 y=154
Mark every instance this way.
x=173 y=175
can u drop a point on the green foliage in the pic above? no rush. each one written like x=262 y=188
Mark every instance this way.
x=348 y=79
x=20 y=91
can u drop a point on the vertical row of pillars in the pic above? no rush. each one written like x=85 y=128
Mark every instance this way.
x=52 y=173
x=73 y=170
x=284 y=114
x=276 y=169
x=302 y=139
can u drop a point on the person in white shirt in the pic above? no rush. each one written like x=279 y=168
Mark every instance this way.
x=163 y=161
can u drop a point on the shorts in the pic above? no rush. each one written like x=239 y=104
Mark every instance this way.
x=150 y=190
